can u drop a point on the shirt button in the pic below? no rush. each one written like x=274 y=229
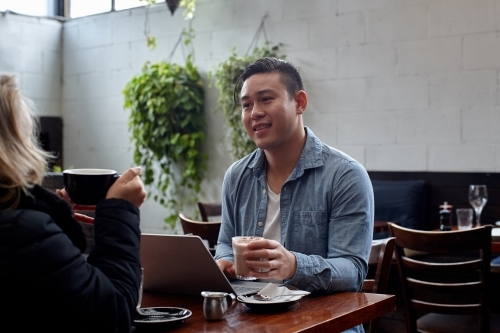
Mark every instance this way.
x=264 y=191
x=260 y=224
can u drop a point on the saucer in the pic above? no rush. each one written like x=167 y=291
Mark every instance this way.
x=159 y=318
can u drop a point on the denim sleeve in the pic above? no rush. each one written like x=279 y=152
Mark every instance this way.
x=350 y=231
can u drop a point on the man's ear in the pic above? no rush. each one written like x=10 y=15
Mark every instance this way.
x=301 y=101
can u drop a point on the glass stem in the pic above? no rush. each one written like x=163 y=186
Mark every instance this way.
x=478 y=222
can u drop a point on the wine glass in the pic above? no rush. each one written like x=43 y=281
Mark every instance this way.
x=478 y=195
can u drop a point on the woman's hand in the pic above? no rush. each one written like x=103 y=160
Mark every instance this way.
x=79 y=217
x=129 y=187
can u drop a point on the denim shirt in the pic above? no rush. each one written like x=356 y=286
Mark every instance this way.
x=326 y=215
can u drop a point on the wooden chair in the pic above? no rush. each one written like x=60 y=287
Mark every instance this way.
x=380 y=266
x=210 y=209
x=445 y=284
x=208 y=231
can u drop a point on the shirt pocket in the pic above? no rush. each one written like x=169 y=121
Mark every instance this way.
x=311 y=218
x=311 y=232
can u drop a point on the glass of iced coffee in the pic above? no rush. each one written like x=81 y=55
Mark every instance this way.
x=239 y=247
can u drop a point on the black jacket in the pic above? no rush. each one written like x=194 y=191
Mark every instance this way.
x=45 y=282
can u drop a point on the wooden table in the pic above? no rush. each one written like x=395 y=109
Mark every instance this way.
x=325 y=313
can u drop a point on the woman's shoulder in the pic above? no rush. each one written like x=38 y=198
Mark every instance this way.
x=26 y=224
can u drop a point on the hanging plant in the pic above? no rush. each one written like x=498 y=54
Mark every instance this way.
x=225 y=76
x=167 y=125
x=189 y=9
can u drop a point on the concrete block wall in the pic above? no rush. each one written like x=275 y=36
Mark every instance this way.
x=30 y=49
x=404 y=85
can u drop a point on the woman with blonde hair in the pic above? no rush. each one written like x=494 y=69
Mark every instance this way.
x=46 y=282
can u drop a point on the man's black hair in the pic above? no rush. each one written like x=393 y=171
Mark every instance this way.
x=289 y=75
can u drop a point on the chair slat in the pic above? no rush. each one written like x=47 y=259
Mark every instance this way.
x=443 y=274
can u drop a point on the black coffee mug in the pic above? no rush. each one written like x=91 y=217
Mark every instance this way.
x=88 y=186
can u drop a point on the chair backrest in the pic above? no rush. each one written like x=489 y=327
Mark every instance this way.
x=444 y=272
x=210 y=209
x=380 y=263
x=206 y=230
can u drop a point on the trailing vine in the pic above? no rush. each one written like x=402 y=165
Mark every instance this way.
x=167 y=125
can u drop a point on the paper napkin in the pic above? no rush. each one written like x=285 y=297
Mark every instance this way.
x=273 y=290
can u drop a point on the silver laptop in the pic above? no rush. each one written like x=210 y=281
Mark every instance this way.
x=182 y=264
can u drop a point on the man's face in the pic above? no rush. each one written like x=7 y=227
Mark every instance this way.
x=269 y=114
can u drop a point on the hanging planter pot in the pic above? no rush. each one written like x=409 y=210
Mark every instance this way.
x=172 y=5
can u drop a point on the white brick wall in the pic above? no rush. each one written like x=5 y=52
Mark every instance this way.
x=30 y=49
x=397 y=84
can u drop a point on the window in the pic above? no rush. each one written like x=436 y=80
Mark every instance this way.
x=79 y=8
x=29 y=7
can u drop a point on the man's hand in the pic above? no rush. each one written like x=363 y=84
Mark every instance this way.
x=280 y=264
x=227 y=267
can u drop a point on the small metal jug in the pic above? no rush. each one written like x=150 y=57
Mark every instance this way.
x=214 y=305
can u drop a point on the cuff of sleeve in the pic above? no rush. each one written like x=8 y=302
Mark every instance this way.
x=117 y=203
x=304 y=270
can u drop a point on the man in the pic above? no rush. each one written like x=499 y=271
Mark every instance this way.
x=312 y=203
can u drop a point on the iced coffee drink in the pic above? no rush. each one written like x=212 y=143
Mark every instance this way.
x=239 y=247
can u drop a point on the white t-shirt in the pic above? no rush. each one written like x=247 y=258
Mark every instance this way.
x=272 y=228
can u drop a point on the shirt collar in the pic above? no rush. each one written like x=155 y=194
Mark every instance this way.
x=309 y=158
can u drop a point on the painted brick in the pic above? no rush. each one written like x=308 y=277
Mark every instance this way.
x=430 y=55
x=478 y=51
x=396 y=158
x=221 y=15
x=315 y=65
x=334 y=96
x=42 y=86
x=300 y=9
x=474 y=158
x=129 y=28
x=293 y=34
x=366 y=60
x=251 y=12
x=362 y=5
x=324 y=127
x=140 y=53
x=44 y=32
x=79 y=62
x=52 y=63
x=114 y=57
x=70 y=36
x=21 y=59
x=47 y=107
x=497 y=159
x=12 y=32
x=326 y=32
x=460 y=17
x=464 y=89
x=408 y=92
x=429 y=126
x=396 y=23
x=224 y=40
x=481 y=126
x=163 y=24
x=94 y=32
x=366 y=128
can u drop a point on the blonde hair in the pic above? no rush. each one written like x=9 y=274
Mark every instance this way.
x=22 y=160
